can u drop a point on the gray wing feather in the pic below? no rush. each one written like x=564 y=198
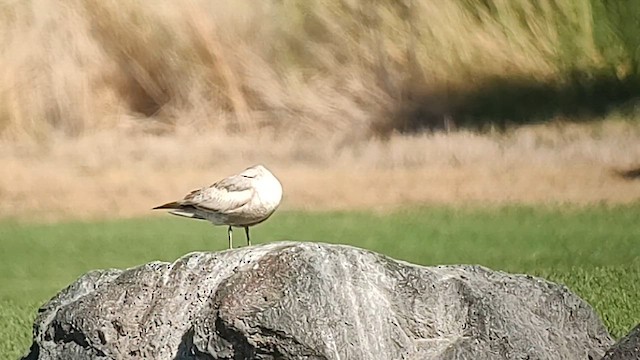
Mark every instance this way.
x=234 y=183
x=224 y=196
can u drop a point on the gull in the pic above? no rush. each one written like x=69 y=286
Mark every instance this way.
x=240 y=200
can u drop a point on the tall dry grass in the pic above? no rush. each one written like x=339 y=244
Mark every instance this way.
x=110 y=107
x=323 y=68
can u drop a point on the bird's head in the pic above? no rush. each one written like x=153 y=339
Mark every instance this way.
x=255 y=171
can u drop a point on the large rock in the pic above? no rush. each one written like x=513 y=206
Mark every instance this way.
x=314 y=301
x=627 y=348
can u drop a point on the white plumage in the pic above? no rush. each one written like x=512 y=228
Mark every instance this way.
x=241 y=200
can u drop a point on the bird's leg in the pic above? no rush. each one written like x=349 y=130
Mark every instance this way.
x=230 y=232
x=246 y=231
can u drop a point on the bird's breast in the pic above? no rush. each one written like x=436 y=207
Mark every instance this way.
x=268 y=194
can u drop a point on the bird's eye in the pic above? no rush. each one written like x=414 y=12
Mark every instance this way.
x=249 y=176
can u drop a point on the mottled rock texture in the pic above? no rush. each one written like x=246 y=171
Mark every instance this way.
x=313 y=301
x=627 y=348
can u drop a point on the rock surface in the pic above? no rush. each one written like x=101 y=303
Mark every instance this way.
x=313 y=301
x=627 y=348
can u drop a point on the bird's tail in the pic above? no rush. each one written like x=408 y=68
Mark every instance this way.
x=171 y=205
x=180 y=210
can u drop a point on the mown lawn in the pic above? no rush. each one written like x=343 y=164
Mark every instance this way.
x=594 y=251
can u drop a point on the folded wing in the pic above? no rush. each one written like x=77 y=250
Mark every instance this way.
x=224 y=196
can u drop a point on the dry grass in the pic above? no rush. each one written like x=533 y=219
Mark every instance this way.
x=323 y=68
x=118 y=174
x=108 y=107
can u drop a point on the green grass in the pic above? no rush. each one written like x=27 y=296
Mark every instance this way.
x=594 y=251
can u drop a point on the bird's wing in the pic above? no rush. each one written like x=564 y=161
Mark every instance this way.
x=224 y=196
x=235 y=183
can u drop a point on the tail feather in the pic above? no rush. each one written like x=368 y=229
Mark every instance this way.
x=186 y=213
x=180 y=210
x=171 y=205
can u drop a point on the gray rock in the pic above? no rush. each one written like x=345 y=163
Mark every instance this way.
x=313 y=301
x=627 y=348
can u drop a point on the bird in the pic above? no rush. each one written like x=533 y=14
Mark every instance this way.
x=242 y=200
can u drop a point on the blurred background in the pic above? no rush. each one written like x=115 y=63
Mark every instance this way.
x=499 y=132
x=108 y=108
